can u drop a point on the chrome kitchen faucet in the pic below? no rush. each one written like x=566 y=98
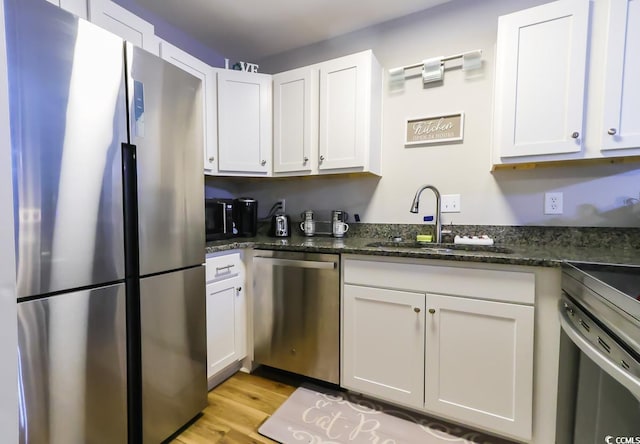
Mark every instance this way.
x=416 y=202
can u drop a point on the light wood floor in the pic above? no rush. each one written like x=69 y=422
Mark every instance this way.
x=237 y=408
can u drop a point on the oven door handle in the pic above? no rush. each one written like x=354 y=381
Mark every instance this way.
x=609 y=366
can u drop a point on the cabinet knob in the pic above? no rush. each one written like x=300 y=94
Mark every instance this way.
x=305 y=160
x=211 y=159
x=432 y=310
x=263 y=163
x=416 y=309
x=612 y=131
x=321 y=158
x=239 y=289
x=575 y=135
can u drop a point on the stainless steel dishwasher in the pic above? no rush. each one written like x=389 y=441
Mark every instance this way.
x=296 y=313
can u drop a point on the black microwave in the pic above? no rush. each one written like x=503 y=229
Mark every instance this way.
x=219 y=218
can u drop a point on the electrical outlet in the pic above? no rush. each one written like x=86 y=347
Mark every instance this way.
x=553 y=203
x=282 y=203
x=450 y=203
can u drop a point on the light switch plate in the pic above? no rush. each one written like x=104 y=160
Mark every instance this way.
x=450 y=203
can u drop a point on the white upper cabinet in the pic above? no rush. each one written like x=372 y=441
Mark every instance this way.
x=207 y=74
x=621 y=106
x=76 y=7
x=540 y=80
x=327 y=117
x=124 y=24
x=295 y=116
x=350 y=114
x=244 y=123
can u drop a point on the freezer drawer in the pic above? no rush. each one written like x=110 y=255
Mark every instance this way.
x=174 y=351
x=72 y=368
x=296 y=313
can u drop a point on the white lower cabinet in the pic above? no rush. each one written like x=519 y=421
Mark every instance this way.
x=383 y=343
x=225 y=302
x=226 y=312
x=479 y=362
x=450 y=341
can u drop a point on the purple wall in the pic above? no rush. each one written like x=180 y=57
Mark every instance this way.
x=175 y=36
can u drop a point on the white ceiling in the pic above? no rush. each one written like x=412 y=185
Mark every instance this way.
x=249 y=30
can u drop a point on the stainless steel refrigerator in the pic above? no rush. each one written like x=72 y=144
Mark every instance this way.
x=109 y=226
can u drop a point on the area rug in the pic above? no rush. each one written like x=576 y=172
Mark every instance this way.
x=315 y=415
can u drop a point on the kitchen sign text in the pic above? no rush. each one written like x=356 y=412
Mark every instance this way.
x=434 y=129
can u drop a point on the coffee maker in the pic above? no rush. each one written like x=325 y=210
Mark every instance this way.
x=245 y=216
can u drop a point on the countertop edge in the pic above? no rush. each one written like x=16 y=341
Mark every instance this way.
x=348 y=246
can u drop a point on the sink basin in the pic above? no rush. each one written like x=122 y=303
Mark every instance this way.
x=440 y=248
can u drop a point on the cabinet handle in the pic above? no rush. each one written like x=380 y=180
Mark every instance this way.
x=226 y=267
x=321 y=158
x=263 y=163
x=305 y=160
x=575 y=135
x=612 y=131
x=416 y=309
x=432 y=310
x=211 y=159
x=239 y=289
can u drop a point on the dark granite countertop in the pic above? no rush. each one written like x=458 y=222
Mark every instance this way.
x=545 y=255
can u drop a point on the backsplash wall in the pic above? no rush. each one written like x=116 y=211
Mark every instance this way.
x=593 y=195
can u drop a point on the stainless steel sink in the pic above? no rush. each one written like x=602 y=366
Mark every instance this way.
x=440 y=248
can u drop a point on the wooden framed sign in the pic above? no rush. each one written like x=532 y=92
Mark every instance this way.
x=434 y=129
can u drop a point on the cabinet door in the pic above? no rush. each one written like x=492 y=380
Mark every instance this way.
x=479 y=363
x=207 y=74
x=124 y=24
x=621 y=118
x=295 y=113
x=76 y=7
x=345 y=98
x=244 y=122
x=225 y=324
x=540 y=79
x=383 y=343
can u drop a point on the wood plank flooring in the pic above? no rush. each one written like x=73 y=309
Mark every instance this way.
x=237 y=408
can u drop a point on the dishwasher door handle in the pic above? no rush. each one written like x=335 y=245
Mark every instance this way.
x=322 y=265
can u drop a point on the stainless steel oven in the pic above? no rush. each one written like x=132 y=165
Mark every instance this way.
x=600 y=319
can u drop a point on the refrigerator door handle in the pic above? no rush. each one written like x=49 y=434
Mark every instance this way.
x=129 y=177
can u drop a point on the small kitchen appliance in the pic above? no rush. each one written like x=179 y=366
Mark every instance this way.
x=338 y=223
x=218 y=218
x=308 y=225
x=280 y=225
x=340 y=215
x=245 y=216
